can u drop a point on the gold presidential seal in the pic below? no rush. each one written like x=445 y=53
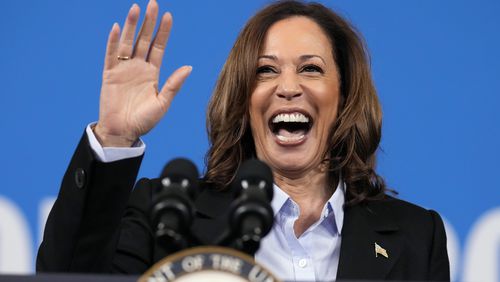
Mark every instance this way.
x=208 y=264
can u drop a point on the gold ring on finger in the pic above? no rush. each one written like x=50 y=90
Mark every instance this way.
x=123 y=58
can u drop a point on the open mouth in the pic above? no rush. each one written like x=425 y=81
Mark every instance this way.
x=290 y=128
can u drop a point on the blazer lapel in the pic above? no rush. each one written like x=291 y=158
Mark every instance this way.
x=370 y=243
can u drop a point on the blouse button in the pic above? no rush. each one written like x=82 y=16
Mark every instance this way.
x=302 y=263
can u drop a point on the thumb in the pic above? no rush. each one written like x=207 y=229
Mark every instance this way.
x=173 y=84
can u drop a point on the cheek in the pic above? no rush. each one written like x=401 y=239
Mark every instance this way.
x=259 y=96
x=256 y=110
x=255 y=125
x=329 y=105
x=259 y=103
x=333 y=106
x=257 y=128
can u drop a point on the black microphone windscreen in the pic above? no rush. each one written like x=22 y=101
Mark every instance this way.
x=254 y=172
x=180 y=169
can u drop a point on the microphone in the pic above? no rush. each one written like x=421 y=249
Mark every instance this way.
x=251 y=216
x=172 y=211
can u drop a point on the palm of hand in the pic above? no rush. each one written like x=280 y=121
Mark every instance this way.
x=129 y=101
x=131 y=104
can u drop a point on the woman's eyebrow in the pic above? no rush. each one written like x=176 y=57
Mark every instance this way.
x=270 y=57
x=307 y=57
x=301 y=58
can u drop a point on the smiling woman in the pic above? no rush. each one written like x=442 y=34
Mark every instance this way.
x=305 y=59
x=297 y=79
x=296 y=92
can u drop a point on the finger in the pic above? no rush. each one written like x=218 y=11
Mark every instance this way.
x=173 y=85
x=144 y=38
x=127 y=38
x=111 y=58
x=160 y=42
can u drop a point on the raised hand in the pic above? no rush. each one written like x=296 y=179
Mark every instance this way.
x=130 y=103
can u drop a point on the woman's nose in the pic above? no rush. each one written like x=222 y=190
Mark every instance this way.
x=288 y=87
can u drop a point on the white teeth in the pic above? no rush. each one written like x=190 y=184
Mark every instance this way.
x=290 y=117
x=289 y=139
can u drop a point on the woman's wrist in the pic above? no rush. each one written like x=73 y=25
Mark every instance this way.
x=111 y=140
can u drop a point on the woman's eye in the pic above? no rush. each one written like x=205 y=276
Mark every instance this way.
x=312 y=68
x=265 y=70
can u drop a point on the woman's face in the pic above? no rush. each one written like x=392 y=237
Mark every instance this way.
x=296 y=97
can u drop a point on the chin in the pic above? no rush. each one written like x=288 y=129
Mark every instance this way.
x=291 y=161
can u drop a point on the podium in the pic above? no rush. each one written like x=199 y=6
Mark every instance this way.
x=68 y=277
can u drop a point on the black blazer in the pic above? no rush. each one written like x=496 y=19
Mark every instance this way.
x=98 y=224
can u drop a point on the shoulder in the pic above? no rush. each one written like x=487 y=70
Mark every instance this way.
x=421 y=231
x=403 y=212
x=417 y=224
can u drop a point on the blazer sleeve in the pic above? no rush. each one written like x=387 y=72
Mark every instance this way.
x=83 y=227
x=439 y=268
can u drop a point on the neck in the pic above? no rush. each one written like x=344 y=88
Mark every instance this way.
x=311 y=187
x=310 y=191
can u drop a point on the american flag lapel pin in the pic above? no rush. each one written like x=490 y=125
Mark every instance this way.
x=380 y=251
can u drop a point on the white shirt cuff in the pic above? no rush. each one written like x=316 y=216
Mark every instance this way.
x=111 y=154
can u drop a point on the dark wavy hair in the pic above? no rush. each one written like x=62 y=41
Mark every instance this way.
x=356 y=133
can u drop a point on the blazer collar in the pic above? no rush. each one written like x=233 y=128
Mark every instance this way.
x=365 y=227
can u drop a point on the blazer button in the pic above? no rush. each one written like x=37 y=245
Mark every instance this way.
x=80 y=178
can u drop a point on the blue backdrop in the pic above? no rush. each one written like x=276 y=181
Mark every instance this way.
x=435 y=63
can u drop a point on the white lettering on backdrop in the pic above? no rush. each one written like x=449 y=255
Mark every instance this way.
x=16 y=245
